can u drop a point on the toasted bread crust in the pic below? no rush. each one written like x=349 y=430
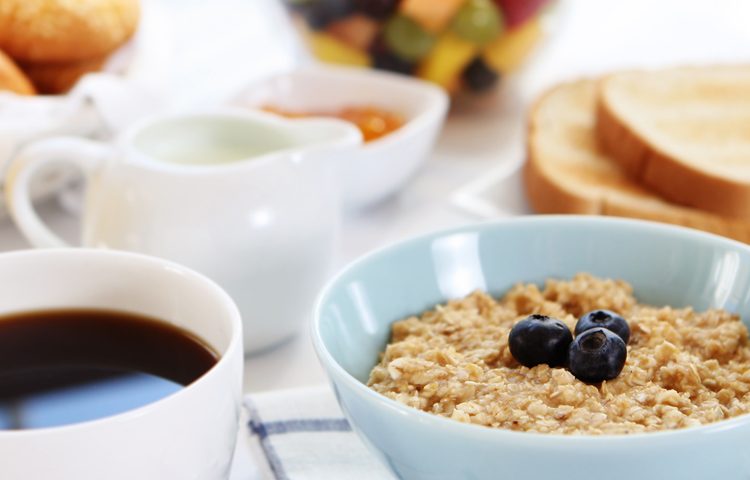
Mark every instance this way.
x=618 y=141
x=547 y=193
x=670 y=176
x=544 y=194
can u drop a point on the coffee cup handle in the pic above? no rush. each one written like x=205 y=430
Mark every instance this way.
x=86 y=155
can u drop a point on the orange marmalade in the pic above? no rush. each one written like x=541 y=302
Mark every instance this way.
x=373 y=122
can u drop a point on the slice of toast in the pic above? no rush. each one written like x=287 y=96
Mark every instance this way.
x=566 y=172
x=683 y=132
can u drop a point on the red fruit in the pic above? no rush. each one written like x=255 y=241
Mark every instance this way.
x=517 y=12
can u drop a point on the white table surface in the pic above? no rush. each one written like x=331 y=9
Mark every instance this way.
x=486 y=138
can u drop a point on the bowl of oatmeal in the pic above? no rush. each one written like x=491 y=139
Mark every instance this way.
x=414 y=338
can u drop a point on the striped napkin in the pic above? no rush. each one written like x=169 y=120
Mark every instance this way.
x=301 y=434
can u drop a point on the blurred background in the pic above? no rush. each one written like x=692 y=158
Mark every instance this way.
x=199 y=54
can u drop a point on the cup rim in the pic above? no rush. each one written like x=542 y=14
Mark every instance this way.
x=349 y=136
x=222 y=297
x=336 y=371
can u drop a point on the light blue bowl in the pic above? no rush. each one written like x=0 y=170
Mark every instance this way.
x=666 y=265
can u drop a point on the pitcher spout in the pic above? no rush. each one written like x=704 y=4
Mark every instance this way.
x=326 y=139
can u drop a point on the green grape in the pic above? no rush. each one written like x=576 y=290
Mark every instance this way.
x=406 y=38
x=478 y=21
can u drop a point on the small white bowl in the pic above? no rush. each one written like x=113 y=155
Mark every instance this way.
x=380 y=167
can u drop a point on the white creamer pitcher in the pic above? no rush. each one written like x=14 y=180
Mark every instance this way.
x=247 y=198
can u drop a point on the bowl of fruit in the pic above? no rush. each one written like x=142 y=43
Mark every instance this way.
x=461 y=45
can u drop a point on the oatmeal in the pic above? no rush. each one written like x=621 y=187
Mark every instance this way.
x=683 y=368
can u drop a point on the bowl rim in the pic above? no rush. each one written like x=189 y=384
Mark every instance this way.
x=335 y=370
x=435 y=108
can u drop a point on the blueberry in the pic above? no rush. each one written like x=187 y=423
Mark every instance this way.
x=378 y=9
x=540 y=339
x=605 y=319
x=385 y=59
x=596 y=355
x=479 y=77
x=319 y=13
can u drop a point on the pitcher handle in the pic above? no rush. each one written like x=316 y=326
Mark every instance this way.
x=86 y=155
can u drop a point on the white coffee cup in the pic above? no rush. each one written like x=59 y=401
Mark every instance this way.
x=189 y=434
x=246 y=198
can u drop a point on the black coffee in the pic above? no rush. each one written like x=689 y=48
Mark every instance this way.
x=65 y=366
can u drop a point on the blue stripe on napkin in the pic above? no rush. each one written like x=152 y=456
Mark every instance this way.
x=264 y=430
